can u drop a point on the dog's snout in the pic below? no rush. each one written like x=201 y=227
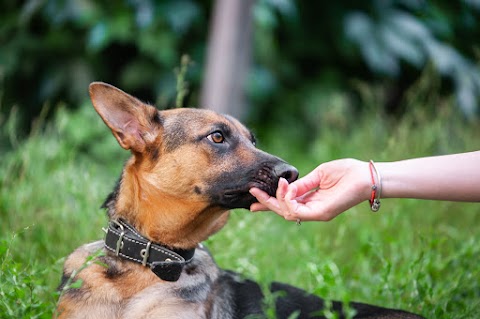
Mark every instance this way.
x=286 y=171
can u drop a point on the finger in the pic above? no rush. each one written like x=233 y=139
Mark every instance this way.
x=264 y=199
x=258 y=207
x=307 y=182
x=260 y=195
x=317 y=211
x=280 y=194
x=297 y=208
x=292 y=207
x=282 y=188
x=291 y=203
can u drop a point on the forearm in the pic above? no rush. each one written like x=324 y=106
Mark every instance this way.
x=453 y=177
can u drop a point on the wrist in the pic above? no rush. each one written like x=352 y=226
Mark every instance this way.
x=365 y=181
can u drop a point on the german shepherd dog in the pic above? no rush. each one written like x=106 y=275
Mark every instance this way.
x=189 y=168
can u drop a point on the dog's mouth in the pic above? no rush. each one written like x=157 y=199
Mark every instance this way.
x=270 y=189
x=241 y=198
x=266 y=179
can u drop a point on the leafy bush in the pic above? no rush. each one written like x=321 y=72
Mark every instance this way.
x=307 y=50
x=417 y=33
x=52 y=49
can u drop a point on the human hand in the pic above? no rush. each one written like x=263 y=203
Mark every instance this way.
x=321 y=195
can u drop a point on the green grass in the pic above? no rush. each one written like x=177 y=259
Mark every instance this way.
x=420 y=256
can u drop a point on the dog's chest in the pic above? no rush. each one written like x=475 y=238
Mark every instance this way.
x=157 y=303
x=192 y=296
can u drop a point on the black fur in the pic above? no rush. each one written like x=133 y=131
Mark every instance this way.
x=109 y=203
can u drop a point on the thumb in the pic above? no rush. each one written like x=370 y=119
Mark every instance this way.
x=307 y=183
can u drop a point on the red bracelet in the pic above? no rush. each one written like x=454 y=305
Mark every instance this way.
x=376 y=188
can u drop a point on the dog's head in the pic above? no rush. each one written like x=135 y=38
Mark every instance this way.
x=189 y=166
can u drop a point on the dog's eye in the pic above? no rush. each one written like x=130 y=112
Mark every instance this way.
x=216 y=137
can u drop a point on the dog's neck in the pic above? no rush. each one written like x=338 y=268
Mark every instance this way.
x=162 y=218
x=124 y=241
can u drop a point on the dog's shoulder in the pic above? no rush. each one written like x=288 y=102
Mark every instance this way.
x=76 y=261
x=96 y=282
x=94 y=266
x=82 y=255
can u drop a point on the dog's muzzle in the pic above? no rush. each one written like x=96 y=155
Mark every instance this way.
x=233 y=191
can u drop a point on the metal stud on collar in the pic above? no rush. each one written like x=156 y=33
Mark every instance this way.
x=119 y=245
x=145 y=253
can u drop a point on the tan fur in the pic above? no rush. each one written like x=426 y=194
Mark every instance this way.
x=149 y=206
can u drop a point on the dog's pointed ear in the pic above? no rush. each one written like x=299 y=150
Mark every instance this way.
x=133 y=123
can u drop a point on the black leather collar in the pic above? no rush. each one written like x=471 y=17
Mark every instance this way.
x=125 y=241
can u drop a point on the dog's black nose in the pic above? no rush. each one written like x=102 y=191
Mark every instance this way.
x=286 y=171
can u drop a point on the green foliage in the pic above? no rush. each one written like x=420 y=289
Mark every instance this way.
x=414 y=32
x=305 y=51
x=75 y=283
x=54 y=178
x=54 y=49
x=182 y=84
x=22 y=286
